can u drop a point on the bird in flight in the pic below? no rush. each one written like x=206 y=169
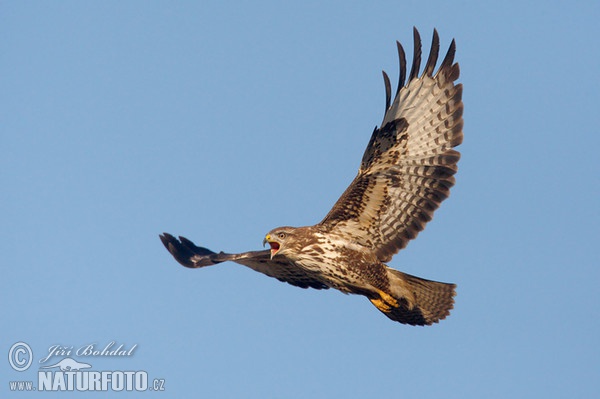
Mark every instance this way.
x=407 y=170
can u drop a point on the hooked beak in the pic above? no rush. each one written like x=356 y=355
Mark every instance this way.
x=273 y=244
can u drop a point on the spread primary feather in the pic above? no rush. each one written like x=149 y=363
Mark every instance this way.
x=406 y=171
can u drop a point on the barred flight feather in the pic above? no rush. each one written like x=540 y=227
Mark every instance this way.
x=406 y=171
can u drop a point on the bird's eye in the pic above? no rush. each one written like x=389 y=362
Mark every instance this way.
x=281 y=235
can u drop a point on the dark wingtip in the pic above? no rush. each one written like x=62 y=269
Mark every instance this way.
x=179 y=252
x=388 y=90
x=416 y=63
x=186 y=252
x=402 y=60
x=165 y=238
x=433 y=54
x=449 y=58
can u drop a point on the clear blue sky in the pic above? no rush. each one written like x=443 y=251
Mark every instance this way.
x=221 y=120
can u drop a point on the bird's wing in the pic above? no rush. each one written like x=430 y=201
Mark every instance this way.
x=192 y=256
x=407 y=169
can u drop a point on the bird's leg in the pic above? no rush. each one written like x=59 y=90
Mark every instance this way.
x=384 y=302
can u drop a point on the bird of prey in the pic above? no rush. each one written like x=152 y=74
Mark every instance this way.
x=406 y=171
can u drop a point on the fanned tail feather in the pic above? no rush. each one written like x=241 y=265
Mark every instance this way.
x=416 y=301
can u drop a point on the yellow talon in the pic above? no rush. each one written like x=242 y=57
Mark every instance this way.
x=385 y=302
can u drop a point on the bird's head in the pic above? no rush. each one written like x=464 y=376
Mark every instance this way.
x=277 y=240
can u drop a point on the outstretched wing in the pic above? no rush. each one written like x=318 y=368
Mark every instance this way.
x=407 y=169
x=192 y=256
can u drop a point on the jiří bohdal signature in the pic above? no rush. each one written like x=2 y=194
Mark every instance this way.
x=89 y=350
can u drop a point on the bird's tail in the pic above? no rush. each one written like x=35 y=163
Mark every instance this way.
x=415 y=301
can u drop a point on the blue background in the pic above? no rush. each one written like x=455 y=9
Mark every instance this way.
x=221 y=120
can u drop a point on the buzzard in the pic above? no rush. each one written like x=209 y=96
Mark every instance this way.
x=406 y=171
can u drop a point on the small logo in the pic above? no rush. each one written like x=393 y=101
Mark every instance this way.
x=68 y=364
x=20 y=356
x=64 y=373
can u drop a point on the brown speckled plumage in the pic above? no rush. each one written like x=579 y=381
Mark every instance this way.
x=407 y=170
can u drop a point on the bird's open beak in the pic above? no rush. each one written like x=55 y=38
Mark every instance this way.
x=273 y=244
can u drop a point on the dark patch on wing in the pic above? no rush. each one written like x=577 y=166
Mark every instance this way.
x=382 y=140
